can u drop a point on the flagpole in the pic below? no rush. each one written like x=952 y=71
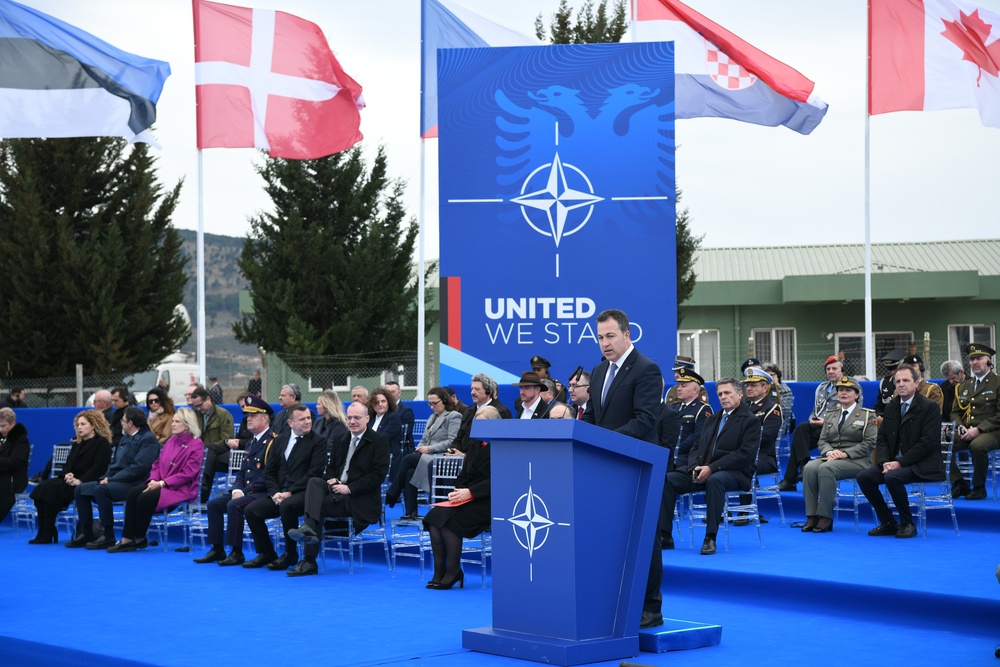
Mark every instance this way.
x=420 y=270
x=201 y=268
x=869 y=341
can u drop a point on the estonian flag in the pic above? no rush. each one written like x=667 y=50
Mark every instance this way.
x=59 y=81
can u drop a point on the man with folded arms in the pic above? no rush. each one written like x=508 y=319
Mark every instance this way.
x=907 y=450
x=351 y=486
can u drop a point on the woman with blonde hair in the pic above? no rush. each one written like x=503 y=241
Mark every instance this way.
x=173 y=480
x=331 y=422
x=88 y=459
x=161 y=413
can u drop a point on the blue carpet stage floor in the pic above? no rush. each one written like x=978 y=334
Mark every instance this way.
x=829 y=599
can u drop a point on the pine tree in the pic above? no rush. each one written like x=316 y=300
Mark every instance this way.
x=330 y=269
x=596 y=27
x=92 y=267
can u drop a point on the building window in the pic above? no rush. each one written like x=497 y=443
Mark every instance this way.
x=853 y=346
x=777 y=346
x=960 y=335
x=702 y=345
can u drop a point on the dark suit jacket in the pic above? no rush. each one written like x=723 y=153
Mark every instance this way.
x=369 y=466
x=736 y=447
x=915 y=441
x=633 y=399
x=307 y=460
x=14 y=454
x=541 y=409
x=504 y=411
x=391 y=429
x=668 y=426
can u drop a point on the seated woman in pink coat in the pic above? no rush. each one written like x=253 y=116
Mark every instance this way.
x=173 y=479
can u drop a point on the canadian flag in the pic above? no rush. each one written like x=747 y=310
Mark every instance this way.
x=927 y=55
x=267 y=79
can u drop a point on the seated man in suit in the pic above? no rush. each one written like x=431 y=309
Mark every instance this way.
x=250 y=485
x=405 y=413
x=290 y=460
x=722 y=461
x=907 y=450
x=351 y=486
x=483 y=389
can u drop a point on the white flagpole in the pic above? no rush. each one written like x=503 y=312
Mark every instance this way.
x=421 y=338
x=869 y=338
x=201 y=268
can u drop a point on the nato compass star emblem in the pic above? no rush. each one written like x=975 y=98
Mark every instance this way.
x=531 y=523
x=556 y=199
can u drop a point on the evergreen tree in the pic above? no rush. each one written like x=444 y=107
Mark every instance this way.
x=92 y=267
x=330 y=269
x=595 y=27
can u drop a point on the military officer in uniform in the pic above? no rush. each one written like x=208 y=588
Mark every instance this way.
x=683 y=363
x=757 y=392
x=693 y=414
x=248 y=486
x=924 y=388
x=975 y=414
x=846 y=441
x=541 y=366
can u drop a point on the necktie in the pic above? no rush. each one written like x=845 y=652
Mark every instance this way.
x=843 y=418
x=975 y=386
x=722 y=424
x=347 y=461
x=579 y=413
x=903 y=407
x=715 y=440
x=607 y=383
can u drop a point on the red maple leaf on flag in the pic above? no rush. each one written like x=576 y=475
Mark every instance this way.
x=970 y=35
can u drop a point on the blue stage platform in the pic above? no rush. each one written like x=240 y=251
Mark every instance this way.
x=825 y=599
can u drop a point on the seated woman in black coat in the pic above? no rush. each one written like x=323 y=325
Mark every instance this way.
x=448 y=525
x=14 y=452
x=87 y=462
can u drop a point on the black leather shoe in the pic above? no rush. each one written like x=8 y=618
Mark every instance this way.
x=667 y=542
x=977 y=493
x=235 y=558
x=303 y=569
x=78 y=542
x=35 y=479
x=261 y=560
x=884 y=529
x=212 y=556
x=907 y=530
x=786 y=486
x=650 y=619
x=101 y=543
x=287 y=560
x=141 y=544
x=304 y=534
x=708 y=546
x=121 y=547
x=959 y=489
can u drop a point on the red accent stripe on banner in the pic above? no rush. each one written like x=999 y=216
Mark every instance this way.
x=451 y=312
x=895 y=56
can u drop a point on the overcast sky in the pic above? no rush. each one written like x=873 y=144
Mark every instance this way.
x=745 y=185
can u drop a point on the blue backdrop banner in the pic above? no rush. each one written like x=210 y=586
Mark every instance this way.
x=557 y=201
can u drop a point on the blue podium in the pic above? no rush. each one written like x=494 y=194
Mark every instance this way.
x=574 y=518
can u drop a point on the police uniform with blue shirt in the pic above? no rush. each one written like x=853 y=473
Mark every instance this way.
x=692 y=417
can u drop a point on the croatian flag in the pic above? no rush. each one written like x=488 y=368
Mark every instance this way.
x=718 y=75
x=448 y=25
x=928 y=55
x=59 y=81
x=267 y=79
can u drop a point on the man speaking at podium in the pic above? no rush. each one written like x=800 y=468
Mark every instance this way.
x=625 y=393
